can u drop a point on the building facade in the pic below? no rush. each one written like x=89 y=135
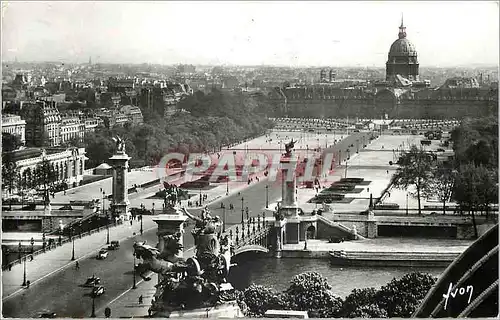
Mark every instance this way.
x=14 y=125
x=43 y=123
x=72 y=128
x=68 y=163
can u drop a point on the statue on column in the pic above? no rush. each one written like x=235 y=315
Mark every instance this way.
x=289 y=147
x=120 y=144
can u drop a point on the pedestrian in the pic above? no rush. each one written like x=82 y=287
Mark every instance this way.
x=77 y=265
x=64 y=192
x=28 y=284
x=10 y=267
x=130 y=222
x=31 y=257
x=140 y=299
x=149 y=312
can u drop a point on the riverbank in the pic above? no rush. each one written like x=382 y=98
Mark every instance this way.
x=400 y=252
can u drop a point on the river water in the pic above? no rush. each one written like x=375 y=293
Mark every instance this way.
x=277 y=273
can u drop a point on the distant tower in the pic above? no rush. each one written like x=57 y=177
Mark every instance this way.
x=90 y=60
x=332 y=75
x=402 y=58
x=322 y=76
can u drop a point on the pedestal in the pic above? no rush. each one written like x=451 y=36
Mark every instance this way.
x=293 y=230
x=120 y=204
x=279 y=228
x=169 y=224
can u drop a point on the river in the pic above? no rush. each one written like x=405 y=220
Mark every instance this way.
x=277 y=273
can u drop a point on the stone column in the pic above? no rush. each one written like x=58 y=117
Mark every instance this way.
x=169 y=223
x=120 y=203
x=280 y=233
x=289 y=204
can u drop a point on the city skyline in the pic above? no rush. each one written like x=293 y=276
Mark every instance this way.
x=296 y=34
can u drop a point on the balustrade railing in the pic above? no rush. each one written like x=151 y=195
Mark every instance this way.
x=56 y=244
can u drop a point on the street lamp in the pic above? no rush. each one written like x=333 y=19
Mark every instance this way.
x=134 y=286
x=24 y=274
x=267 y=196
x=242 y=218
x=73 y=241
x=406 y=202
x=224 y=218
x=142 y=211
x=92 y=294
x=346 y=163
x=227 y=184
x=107 y=217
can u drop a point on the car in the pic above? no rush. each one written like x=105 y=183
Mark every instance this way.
x=103 y=254
x=115 y=245
x=47 y=315
x=97 y=291
x=440 y=150
x=92 y=281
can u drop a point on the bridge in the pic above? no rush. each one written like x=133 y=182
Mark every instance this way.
x=253 y=235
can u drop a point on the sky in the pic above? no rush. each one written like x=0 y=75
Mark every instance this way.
x=304 y=33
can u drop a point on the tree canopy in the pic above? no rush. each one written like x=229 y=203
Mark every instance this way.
x=310 y=292
x=212 y=120
x=415 y=169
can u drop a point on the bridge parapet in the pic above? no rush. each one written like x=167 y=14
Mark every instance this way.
x=251 y=235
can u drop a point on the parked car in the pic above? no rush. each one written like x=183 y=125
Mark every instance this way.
x=97 y=291
x=115 y=245
x=92 y=281
x=47 y=315
x=103 y=254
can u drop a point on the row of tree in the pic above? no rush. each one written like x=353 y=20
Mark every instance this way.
x=311 y=292
x=211 y=121
x=471 y=179
x=43 y=177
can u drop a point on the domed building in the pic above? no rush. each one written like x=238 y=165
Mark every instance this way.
x=402 y=58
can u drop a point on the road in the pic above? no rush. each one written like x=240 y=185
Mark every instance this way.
x=61 y=292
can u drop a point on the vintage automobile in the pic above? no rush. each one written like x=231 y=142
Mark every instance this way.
x=97 y=291
x=103 y=254
x=92 y=281
x=115 y=245
x=47 y=315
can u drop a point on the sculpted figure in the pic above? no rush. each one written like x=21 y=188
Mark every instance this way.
x=120 y=144
x=289 y=146
x=161 y=263
x=205 y=224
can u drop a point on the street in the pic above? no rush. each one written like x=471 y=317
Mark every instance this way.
x=62 y=292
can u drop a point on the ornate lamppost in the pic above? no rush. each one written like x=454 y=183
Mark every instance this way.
x=134 y=285
x=140 y=216
x=224 y=218
x=92 y=315
x=73 y=241
x=242 y=218
x=227 y=184
x=267 y=196
x=107 y=216
x=24 y=273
